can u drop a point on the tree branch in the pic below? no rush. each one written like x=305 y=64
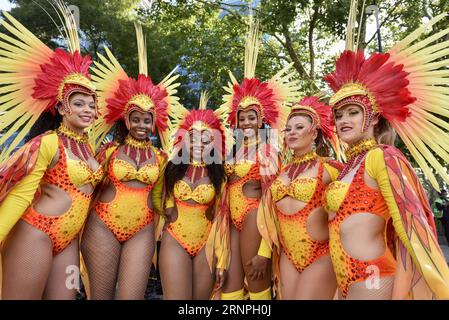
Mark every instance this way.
x=311 y=49
x=291 y=52
x=393 y=8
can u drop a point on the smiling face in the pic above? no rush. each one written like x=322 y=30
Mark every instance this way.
x=349 y=122
x=200 y=144
x=140 y=124
x=300 y=134
x=83 y=112
x=248 y=123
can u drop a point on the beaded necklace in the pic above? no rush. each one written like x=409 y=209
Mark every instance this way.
x=192 y=170
x=299 y=164
x=137 y=150
x=77 y=143
x=356 y=154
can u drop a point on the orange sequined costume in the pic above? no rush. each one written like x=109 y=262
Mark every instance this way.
x=296 y=242
x=128 y=212
x=239 y=204
x=195 y=203
x=62 y=229
x=348 y=199
x=119 y=97
x=191 y=229
x=395 y=89
x=48 y=78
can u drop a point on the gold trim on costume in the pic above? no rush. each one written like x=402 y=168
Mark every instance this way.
x=353 y=89
x=138 y=144
x=74 y=78
x=143 y=101
x=358 y=148
x=69 y=133
x=309 y=156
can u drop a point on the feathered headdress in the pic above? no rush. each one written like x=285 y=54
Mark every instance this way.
x=268 y=99
x=320 y=113
x=202 y=119
x=35 y=78
x=119 y=95
x=406 y=87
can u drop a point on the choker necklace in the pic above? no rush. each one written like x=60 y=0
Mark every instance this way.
x=309 y=156
x=198 y=164
x=77 y=143
x=69 y=133
x=137 y=150
x=251 y=143
x=138 y=144
x=356 y=154
x=360 y=147
x=301 y=163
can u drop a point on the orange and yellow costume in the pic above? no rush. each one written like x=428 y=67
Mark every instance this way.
x=269 y=100
x=296 y=243
x=239 y=205
x=288 y=232
x=398 y=86
x=68 y=175
x=347 y=199
x=192 y=229
x=36 y=79
x=118 y=96
x=128 y=212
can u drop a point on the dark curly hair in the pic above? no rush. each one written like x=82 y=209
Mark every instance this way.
x=119 y=131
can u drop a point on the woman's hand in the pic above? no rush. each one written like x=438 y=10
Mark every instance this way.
x=220 y=277
x=257 y=267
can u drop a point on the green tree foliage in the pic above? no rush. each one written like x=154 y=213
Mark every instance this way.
x=205 y=38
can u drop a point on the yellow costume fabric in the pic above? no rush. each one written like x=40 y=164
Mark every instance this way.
x=191 y=229
x=375 y=167
x=22 y=195
x=128 y=212
x=80 y=173
x=124 y=171
x=301 y=189
x=202 y=194
x=235 y=295
x=67 y=175
x=262 y=295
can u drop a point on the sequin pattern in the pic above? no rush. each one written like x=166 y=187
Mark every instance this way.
x=124 y=171
x=358 y=199
x=302 y=189
x=80 y=173
x=297 y=244
x=239 y=204
x=203 y=194
x=128 y=212
x=64 y=228
x=191 y=228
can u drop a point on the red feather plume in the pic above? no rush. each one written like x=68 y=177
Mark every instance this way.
x=386 y=82
x=62 y=64
x=259 y=90
x=117 y=107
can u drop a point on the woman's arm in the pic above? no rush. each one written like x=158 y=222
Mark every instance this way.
x=22 y=194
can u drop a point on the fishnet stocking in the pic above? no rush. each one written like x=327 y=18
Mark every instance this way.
x=27 y=261
x=101 y=254
x=135 y=265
